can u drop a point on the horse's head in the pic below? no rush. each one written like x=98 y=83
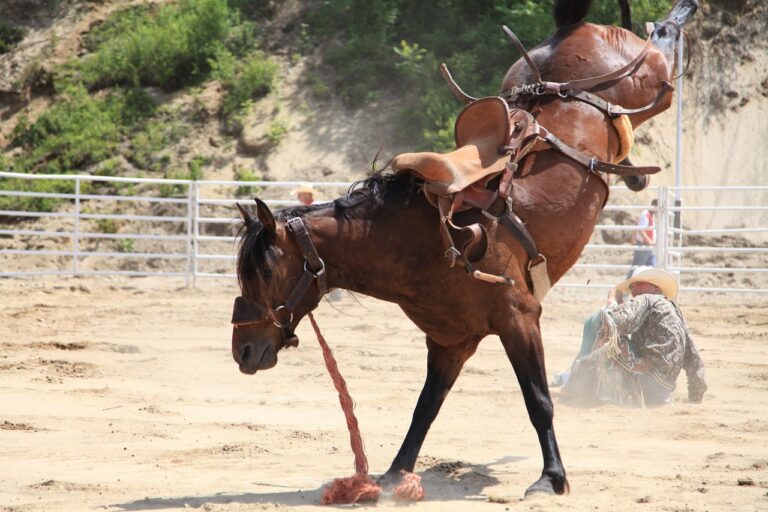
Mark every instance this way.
x=275 y=279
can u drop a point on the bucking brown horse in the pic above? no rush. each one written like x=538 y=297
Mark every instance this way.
x=382 y=239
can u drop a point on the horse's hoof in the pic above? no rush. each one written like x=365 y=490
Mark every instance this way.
x=389 y=479
x=539 y=487
x=542 y=486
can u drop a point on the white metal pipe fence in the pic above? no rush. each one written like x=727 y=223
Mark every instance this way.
x=149 y=227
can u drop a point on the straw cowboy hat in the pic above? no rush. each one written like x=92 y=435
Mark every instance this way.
x=303 y=188
x=660 y=278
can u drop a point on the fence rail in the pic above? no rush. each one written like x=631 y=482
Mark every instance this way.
x=182 y=228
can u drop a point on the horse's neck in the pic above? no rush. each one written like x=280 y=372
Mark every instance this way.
x=368 y=255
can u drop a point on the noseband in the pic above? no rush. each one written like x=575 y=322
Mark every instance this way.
x=248 y=312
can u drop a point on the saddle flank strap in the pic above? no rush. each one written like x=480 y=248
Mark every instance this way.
x=617 y=110
x=592 y=163
x=578 y=88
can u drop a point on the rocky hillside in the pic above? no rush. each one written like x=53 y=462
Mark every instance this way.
x=725 y=121
x=299 y=132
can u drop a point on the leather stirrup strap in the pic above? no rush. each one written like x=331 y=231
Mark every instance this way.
x=444 y=207
x=455 y=89
x=617 y=110
x=592 y=163
x=581 y=83
x=537 y=263
x=588 y=83
x=513 y=223
x=523 y=52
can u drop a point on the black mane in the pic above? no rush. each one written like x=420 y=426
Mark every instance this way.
x=256 y=253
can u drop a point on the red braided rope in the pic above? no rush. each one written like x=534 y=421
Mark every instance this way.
x=358 y=487
x=355 y=439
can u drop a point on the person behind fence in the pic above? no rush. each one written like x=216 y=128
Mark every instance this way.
x=304 y=193
x=632 y=351
x=645 y=239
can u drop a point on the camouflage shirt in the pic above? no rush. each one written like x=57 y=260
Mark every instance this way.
x=660 y=335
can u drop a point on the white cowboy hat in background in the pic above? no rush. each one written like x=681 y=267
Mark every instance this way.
x=661 y=278
x=303 y=188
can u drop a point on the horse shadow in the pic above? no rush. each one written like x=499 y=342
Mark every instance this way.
x=443 y=481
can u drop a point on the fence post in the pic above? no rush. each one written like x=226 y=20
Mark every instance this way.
x=661 y=228
x=76 y=238
x=191 y=232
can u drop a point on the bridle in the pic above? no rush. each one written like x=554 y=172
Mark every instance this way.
x=248 y=312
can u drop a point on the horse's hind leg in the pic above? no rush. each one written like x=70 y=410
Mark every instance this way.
x=522 y=343
x=443 y=367
x=667 y=31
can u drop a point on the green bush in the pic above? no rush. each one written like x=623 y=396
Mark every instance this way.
x=194 y=172
x=77 y=131
x=39 y=204
x=277 y=130
x=170 y=46
x=398 y=45
x=244 y=79
x=146 y=145
x=126 y=245
x=9 y=36
x=195 y=167
x=106 y=225
x=244 y=174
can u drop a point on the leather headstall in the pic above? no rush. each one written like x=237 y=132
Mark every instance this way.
x=247 y=312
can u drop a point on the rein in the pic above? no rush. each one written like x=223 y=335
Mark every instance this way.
x=358 y=487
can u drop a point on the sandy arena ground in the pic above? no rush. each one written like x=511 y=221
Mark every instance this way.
x=121 y=394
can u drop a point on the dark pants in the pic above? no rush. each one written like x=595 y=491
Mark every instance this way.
x=644 y=256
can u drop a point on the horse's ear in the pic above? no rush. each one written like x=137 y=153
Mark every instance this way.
x=247 y=220
x=265 y=216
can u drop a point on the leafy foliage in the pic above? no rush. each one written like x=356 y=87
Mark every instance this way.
x=168 y=46
x=78 y=131
x=30 y=203
x=250 y=77
x=399 y=44
x=9 y=36
x=246 y=174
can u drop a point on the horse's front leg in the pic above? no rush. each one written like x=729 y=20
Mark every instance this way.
x=443 y=367
x=522 y=342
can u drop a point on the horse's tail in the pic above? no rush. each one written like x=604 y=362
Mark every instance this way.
x=626 y=14
x=568 y=12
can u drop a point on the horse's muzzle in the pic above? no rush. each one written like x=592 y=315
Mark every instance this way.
x=252 y=358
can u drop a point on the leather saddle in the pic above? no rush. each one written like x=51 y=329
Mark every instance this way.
x=486 y=134
x=490 y=140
